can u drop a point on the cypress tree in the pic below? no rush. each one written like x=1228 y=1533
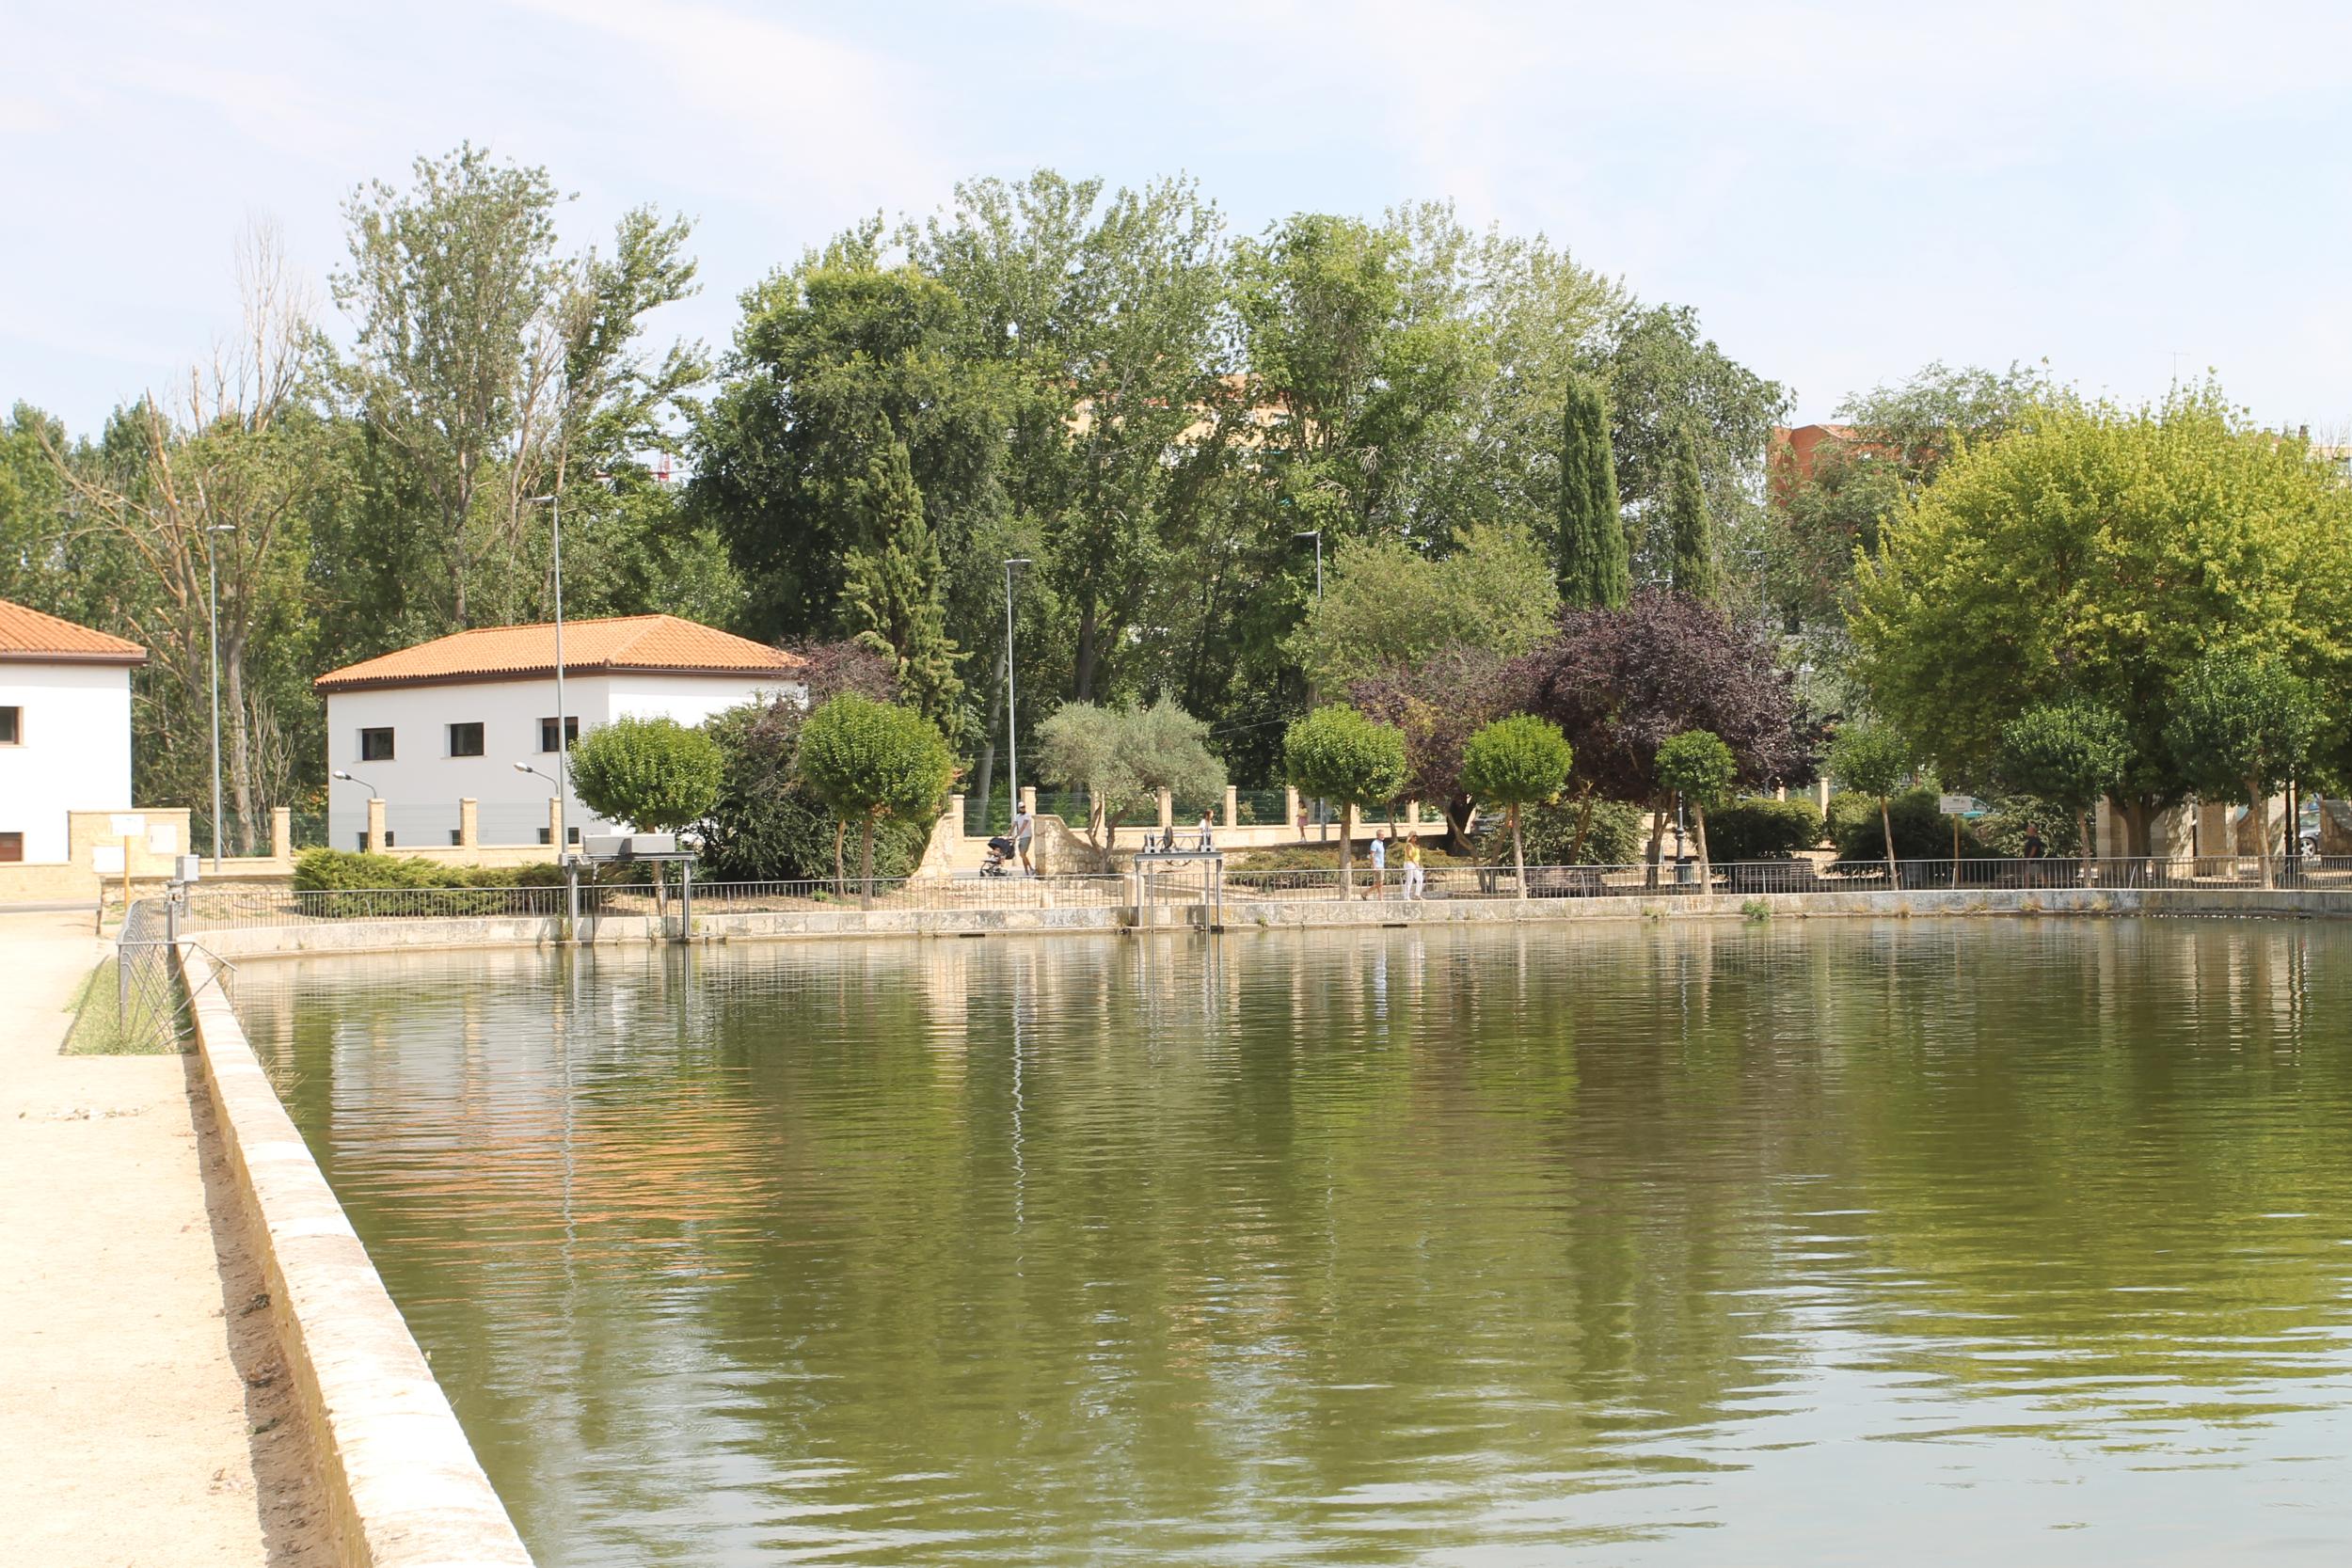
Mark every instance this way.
x=893 y=584
x=1693 y=531
x=1595 y=571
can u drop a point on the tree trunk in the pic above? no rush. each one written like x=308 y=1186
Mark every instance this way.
x=1082 y=677
x=2258 y=813
x=1656 y=844
x=240 y=747
x=1707 y=882
x=986 y=779
x=1518 y=851
x=866 y=868
x=2082 y=831
x=1458 y=814
x=840 y=871
x=1886 y=822
x=1347 y=845
x=1583 y=828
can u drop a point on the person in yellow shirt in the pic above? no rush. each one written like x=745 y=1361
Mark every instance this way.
x=1412 y=867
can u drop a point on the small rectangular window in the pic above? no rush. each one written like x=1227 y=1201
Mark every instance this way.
x=546 y=836
x=361 y=837
x=11 y=845
x=465 y=740
x=571 y=733
x=456 y=837
x=11 y=726
x=572 y=833
x=376 y=745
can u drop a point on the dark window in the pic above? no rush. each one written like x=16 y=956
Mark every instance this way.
x=362 y=836
x=376 y=745
x=572 y=833
x=546 y=836
x=11 y=726
x=571 y=733
x=11 y=845
x=456 y=837
x=465 y=740
x=391 y=838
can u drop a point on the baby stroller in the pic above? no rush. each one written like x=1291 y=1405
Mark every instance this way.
x=999 y=856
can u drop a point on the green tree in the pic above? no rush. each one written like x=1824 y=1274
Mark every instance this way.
x=1389 y=606
x=1691 y=530
x=654 y=774
x=893 y=579
x=1123 y=757
x=1593 y=564
x=1336 y=753
x=873 y=762
x=2242 y=723
x=1874 y=760
x=1698 y=766
x=2072 y=753
x=1516 y=763
x=2098 y=552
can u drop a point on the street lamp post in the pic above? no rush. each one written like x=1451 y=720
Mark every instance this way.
x=212 y=579
x=349 y=778
x=563 y=749
x=1012 y=715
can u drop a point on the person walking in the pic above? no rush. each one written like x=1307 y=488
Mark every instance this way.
x=1413 y=873
x=1024 y=831
x=1379 y=868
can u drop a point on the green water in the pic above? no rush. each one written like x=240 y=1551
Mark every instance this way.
x=2009 y=1242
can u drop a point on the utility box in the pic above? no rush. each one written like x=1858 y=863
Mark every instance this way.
x=186 y=868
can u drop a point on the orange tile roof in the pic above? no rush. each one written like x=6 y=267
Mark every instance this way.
x=625 y=642
x=29 y=637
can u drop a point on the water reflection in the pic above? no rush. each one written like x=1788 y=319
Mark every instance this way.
x=1974 y=1241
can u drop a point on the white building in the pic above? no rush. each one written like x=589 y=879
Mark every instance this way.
x=445 y=720
x=65 y=729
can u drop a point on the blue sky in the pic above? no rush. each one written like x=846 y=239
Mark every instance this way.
x=1844 y=193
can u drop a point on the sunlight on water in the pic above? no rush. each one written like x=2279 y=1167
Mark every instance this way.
x=2006 y=1242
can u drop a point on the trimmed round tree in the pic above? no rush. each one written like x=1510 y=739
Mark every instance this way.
x=2243 y=723
x=654 y=774
x=1336 y=753
x=1872 y=760
x=1697 y=766
x=2069 y=754
x=872 y=762
x=1515 y=763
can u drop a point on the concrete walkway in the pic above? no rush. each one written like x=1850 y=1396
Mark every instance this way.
x=132 y=1377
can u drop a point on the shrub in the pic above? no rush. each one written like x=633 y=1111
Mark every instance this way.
x=1761 y=829
x=654 y=774
x=1336 y=753
x=766 y=824
x=1613 y=838
x=1516 y=763
x=873 y=763
x=356 y=875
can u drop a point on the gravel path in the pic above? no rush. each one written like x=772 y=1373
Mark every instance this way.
x=144 y=1413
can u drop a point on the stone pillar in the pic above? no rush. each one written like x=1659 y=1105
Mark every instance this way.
x=955 y=814
x=1028 y=798
x=1167 y=811
x=2106 y=828
x=1232 y=806
x=555 y=825
x=1820 y=795
x=375 y=826
x=1780 y=792
x=1290 y=807
x=281 y=833
x=2213 y=830
x=1412 y=817
x=469 y=823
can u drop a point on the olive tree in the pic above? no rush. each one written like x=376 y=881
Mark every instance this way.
x=1872 y=760
x=1697 y=766
x=1515 y=763
x=1124 y=756
x=874 y=762
x=1337 y=755
x=2241 y=722
x=654 y=774
x=2069 y=754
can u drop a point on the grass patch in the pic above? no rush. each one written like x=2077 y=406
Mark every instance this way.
x=1756 y=909
x=101 y=1029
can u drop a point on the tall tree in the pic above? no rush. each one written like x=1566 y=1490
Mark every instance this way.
x=1691 y=528
x=2243 y=724
x=1391 y=606
x=1594 y=568
x=893 y=583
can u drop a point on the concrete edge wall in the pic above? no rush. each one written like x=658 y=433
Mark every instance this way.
x=402 y=1481
x=405 y=935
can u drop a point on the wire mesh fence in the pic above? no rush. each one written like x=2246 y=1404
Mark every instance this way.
x=133 y=1003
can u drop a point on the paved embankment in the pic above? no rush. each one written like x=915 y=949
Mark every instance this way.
x=132 y=1377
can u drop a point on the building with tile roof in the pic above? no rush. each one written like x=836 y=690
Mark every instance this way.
x=65 y=729
x=425 y=727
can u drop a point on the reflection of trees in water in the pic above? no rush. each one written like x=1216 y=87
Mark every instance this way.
x=1243 y=1223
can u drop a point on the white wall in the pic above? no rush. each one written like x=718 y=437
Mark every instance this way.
x=75 y=754
x=422 y=784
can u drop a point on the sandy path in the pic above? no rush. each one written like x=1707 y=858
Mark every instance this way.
x=132 y=1377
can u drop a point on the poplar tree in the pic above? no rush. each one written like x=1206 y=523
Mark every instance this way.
x=1594 y=568
x=1694 y=532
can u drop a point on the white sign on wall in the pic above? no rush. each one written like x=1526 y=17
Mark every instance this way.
x=127 y=824
x=107 y=858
